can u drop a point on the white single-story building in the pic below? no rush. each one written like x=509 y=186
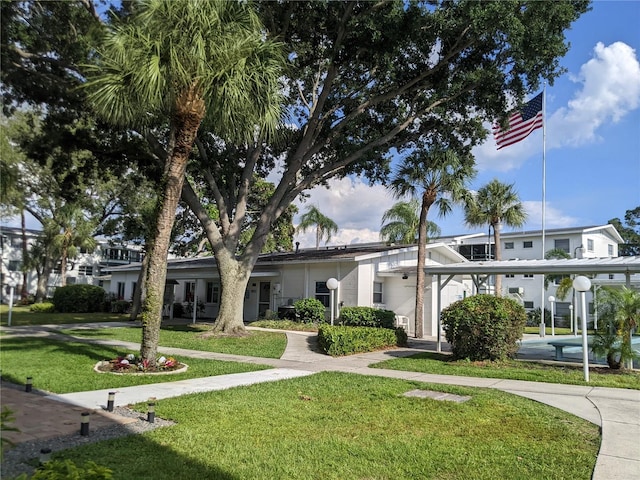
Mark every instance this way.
x=373 y=275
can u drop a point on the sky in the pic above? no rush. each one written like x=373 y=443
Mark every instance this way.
x=592 y=149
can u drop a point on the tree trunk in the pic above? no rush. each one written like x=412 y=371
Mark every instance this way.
x=137 y=294
x=190 y=111
x=63 y=265
x=496 y=238
x=24 y=292
x=422 y=254
x=43 y=280
x=234 y=277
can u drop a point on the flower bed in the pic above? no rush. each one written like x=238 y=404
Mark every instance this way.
x=132 y=365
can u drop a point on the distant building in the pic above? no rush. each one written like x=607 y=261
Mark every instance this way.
x=87 y=268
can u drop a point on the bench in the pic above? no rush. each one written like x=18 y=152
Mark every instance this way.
x=577 y=342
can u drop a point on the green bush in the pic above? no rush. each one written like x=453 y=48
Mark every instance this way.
x=367 y=317
x=79 y=298
x=66 y=469
x=309 y=310
x=178 y=310
x=44 y=307
x=337 y=340
x=120 y=306
x=484 y=327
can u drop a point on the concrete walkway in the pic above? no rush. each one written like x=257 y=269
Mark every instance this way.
x=616 y=411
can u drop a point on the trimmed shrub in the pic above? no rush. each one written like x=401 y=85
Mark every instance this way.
x=79 y=298
x=366 y=317
x=44 y=307
x=484 y=327
x=56 y=469
x=120 y=306
x=339 y=340
x=309 y=310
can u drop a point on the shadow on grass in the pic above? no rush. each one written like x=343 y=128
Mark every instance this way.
x=94 y=352
x=140 y=457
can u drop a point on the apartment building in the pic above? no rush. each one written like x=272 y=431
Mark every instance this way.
x=87 y=268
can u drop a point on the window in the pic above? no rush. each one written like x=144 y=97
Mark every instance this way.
x=589 y=245
x=527 y=244
x=71 y=280
x=189 y=291
x=528 y=305
x=120 y=290
x=611 y=276
x=213 y=292
x=610 y=250
x=508 y=245
x=14 y=265
x=562 y=244
x=16 y=242
x=528 y=275
x=322 y=293
x=377 y=292
x=509 y=275
x=85 y=270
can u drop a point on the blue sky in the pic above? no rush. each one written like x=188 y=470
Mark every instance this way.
x=592 y=142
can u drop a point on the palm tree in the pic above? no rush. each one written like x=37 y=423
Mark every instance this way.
x=437 y=177
x=325 y=227
x=564 y=282
x=403 y=223
x=495 y=204
x=75 y=232
x=189 y=62
x=620 y=311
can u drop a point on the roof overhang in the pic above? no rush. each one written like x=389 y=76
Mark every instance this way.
x=594 y=266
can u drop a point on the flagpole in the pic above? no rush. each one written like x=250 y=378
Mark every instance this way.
x=544 y=200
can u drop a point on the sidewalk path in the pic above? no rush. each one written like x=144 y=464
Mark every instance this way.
x=616 y=411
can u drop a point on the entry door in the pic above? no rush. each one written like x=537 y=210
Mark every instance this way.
x=264 y=299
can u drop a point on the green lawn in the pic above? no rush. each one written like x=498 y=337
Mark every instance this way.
x=557 y=331
x=345 y=426
x=285 y=325
x=21 y=315
x=64 y=367
x=254 y=344
x=443 y=364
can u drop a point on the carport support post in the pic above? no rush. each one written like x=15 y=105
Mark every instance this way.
x=439 y=343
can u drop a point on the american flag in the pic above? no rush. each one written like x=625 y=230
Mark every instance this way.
x=521 y=123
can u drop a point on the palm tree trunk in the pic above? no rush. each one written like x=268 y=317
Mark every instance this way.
x=318 y=237
x=422 y=254
x=496 y=238
x=188 y=119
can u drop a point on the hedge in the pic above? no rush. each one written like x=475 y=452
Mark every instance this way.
x=309 y=310
x=339 y=340
x=366 y=317
x=79 y=298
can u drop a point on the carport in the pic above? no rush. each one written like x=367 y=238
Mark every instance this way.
x=480 y=271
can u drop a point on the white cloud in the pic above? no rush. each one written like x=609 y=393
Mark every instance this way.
x=554 y=218
x=610 y=89
x=355 y=206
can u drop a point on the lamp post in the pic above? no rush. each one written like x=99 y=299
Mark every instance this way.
x=582 y=284
x=332 y=284
x=552 y=301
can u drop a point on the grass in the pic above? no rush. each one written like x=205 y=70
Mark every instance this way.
x=557 y=331
x=63 y=366
x=442 y=364
x=345 y=426
x=255 y=344
x=21 y=316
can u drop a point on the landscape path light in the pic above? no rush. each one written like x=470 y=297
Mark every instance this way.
x=332 y=284
x=582 y=284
